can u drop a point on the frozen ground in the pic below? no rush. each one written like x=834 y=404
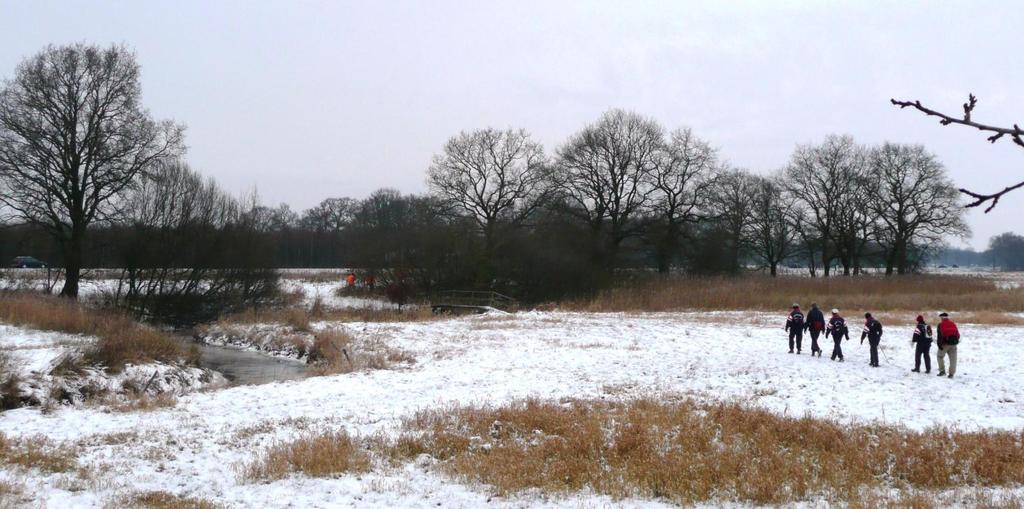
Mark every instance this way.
x=195 y=448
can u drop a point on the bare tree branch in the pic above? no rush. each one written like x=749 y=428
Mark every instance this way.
x=1015 y=133
x=994 y=197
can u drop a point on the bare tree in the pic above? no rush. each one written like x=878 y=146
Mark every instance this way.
x=1014 y=133
x=219 y=261
x=603 y=176
x=732 y=209
x=683 y=174
x=914 y=201
x=770 y=234
x=808 y=247
x=73 y=137
x=330 y=216
x=854 y=223
x=819 y=179
x=496 y=177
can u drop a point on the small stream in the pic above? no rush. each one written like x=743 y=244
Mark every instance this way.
x=246 y=367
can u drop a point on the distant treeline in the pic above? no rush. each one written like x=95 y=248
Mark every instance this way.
x=1005 y=251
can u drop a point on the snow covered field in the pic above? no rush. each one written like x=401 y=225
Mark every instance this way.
x=197 y=447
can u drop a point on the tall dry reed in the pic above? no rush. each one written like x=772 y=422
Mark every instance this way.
x=688 y=452
x=870 y=293
x=121 y=340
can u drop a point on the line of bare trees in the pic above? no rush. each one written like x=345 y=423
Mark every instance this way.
x=84 y=162
x=626 y=179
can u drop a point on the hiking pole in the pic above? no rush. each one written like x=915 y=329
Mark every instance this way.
x=886 y=357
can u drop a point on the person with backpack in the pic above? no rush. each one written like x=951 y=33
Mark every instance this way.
x=816 y=325
x=795 y=327
x=923 y=339
x=872 y=331
x=948 y=339
x=837 y=329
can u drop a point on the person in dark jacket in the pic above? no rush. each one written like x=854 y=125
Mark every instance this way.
x=816 y=325
x=872 y=331
x=923 y=339
x=837 y=329
x=948 y=339
x=795 y=327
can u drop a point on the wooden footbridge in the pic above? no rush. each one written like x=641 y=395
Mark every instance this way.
x=465 y=301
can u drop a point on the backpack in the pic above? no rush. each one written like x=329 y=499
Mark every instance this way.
x=948 y=333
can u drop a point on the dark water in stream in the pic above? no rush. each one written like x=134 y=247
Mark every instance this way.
x=246 y=367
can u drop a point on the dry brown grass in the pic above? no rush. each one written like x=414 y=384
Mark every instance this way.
x=121 y=339
x=301 y=317
x=925 y=500
x=862 y=293
x=320 y=454
x=163 y=500
x=688 y=452
x=143 y=403
x=331 y=352
x=336 y=351
x=37 y=452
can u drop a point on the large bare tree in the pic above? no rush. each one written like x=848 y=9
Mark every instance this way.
x=494 y=176
x=682 y=177
x=73 y=137
x=914 y=201
x=603 y=176
x=855 y=223
x=819 y=178
x=770 y=234
x=733 y=210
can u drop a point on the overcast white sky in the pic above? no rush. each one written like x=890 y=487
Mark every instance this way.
x=305 y=100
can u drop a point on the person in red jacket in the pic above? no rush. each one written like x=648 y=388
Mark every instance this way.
x=948 y=338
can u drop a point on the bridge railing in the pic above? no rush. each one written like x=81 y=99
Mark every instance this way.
x=472 y=298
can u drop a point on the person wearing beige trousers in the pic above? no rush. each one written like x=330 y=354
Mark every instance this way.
x=948 y=339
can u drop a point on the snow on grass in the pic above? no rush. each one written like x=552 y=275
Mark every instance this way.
x=327 y=291
x=197 y=447
x=33 y=354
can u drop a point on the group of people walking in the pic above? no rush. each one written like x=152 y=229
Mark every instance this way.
x=947 y=337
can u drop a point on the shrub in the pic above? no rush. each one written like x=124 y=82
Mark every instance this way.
x=321 y=454
x=37 y=452
x=164 y=500
x=10 y=393
x=330 y=352
x=120 y=340
x=297 y=319
x=399 y=293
